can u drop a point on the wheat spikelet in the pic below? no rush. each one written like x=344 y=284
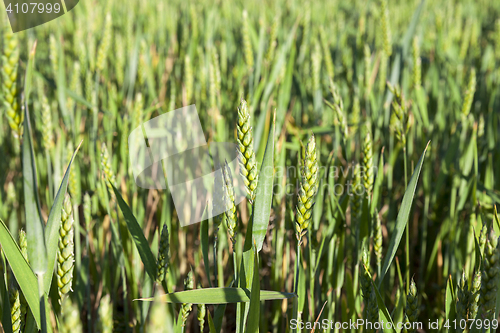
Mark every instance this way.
x=316 y=66
x=105 y=315
x=489 y=277
x=15 y=311
x=377 y=238
x=308 y=189
x=107 y=169
x=411 y=311
x=105 y=43
x=65 y=254
x=163 y=254
x=246 y=154
x=462 y=299
x=469 y=93
x=188 y=79
x=385 y=27
x=327 y=56
x=417 y=64
x=54 y=55
x=247 y=44
x=70 y=318
x=474 y=294
x=10 y=63
x=367 y=165
x=74 y=184
x=230 y=212
x=187 y=307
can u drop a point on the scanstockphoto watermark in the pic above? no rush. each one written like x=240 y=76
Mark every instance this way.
x=170 y=152
x=354 y=324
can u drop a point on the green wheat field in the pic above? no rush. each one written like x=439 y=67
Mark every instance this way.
x=367 y=137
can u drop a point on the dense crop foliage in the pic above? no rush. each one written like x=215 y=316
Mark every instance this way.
x=351 y=212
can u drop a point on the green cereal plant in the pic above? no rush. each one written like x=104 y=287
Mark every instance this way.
x=186 y=308
x=366 y=278
x=74 y=184
x=368 y=70
x=230 y=212
x=338 y=108
x=23 y=244
x=202 y=312
x=70 y=318
x=399 y=121
x=54 y=53
x=65 y=254
x=120 y=58
x=213 y=86
x=355 y=115
x=271 y=48
x=188 y=79
x=246 y=151
x=138 y=110
x=462 y=298
x=412 y=307
x=385 y=27
x=367 y=164
x=490 y=274
x=10 y=92
x=163 y=255
x=382 y=76
x=73 y=86
x=497 y=38
x=142 y=67
x=475 y=292
x=15 y=311
x=316 y=66
x=247 y=43
x=417 y=64
x=102 y=52
x=469 y=93
x=105 y=315
x=308 y=188
x=89 y=87
x=371 y=309
x=357 y=194
x=327 y=56
x=107 y=169
x=483 y=236
x=87 y=209
x=47 y=132
x=217 y=70
x=377 y=239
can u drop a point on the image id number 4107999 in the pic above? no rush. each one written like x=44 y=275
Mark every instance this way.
x=33 y=7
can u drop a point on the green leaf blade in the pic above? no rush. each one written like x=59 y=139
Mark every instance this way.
x=402 y=219
x=140 y=240
x=264 y=192
x=218 y=296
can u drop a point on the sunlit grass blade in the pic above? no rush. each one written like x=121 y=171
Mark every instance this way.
x=140 y=240
x=254 y=311
x=402 y=219
x=217 y=296
x=35 y=228
x=22 y=271
x=54 y=223
x=264 y=192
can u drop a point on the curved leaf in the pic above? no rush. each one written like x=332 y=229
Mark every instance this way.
x=142 y=244
x=217 y=296
x=402 y=219
x=54 y=223
x=22 y=271
x=264 y=192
